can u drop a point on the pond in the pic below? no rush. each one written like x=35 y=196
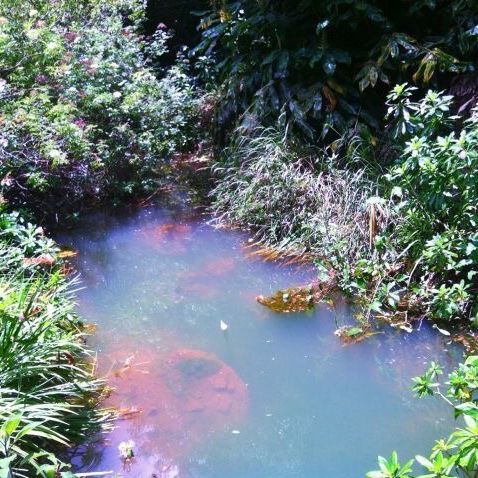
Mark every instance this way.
x=273 y=396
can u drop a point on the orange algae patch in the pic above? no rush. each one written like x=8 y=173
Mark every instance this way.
x=195 y=282
x=216 y=268
x=171 y=401
x=200 y=289
x=219 y=267
x=168 y=239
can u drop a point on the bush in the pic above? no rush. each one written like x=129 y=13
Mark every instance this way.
x=84 y=115
x=457 y=455
x=47 y=388
x=314 y=60
x=297 y=200
x=434 y=184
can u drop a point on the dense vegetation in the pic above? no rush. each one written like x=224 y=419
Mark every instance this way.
x=48 y=392
x=323 y=146
x=380 y=187
x=377 y=181
x=326 y=64
x=85 y=114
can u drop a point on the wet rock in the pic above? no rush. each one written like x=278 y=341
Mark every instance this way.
x=297 y=299
x=352 y=335
x=198 y=367
x=182 y=395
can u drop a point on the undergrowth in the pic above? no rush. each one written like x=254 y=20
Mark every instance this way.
x=48 y=392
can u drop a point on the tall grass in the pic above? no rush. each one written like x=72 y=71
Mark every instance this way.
x=48 y=391
x=298 y=201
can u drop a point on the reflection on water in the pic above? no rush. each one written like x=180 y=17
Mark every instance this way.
x=270 y=397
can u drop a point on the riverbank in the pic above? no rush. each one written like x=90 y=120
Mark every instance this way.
x=49 y=393
x=92 y=114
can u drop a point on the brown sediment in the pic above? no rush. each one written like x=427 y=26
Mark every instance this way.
x=200 y=289
x=217 y=267
x=172 y=400
x=196 y=282
x=468 y=340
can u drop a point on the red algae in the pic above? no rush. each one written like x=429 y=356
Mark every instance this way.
x=167 y=239
x=216 y=268
x=200 y=289
x=172 y=400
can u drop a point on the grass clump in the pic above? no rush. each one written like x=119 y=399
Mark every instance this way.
x=48 y=391
x=299 y=202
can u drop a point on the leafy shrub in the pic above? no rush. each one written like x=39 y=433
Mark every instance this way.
x=434 y=185
x=47 y=388
x=457 y=455
x=84 y=115
x=313 y=59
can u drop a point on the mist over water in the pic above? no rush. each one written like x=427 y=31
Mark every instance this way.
x=273 y=396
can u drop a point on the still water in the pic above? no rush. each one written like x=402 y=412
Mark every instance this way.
x=273 y=396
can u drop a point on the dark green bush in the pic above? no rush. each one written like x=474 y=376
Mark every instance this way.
x=328 y=63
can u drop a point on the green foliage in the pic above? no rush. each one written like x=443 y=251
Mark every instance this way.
x=391 y=468
x=295 y=200
x=47 y=389
x=313 y=59
x=434 y=183
x=457 y=455
x=84 y=114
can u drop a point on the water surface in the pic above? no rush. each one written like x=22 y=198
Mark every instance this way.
x=274 y=396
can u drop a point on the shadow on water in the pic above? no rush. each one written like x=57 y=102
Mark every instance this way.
x=272 y=396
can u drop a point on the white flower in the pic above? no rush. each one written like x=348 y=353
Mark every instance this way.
x=125 y=449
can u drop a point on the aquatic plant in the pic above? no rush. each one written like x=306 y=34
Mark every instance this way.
x=48 y=391
x=298 y=299
x=458 y=454
x=350 y=334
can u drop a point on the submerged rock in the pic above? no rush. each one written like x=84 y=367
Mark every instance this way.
x=179 y=397
x=168 y=239
x=352 y=335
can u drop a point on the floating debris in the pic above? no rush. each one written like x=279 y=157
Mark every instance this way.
x=298 y=299
x=352 y=335
x=223 y=326
x=126 y=453
x=442 y=331
x=67 y=253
